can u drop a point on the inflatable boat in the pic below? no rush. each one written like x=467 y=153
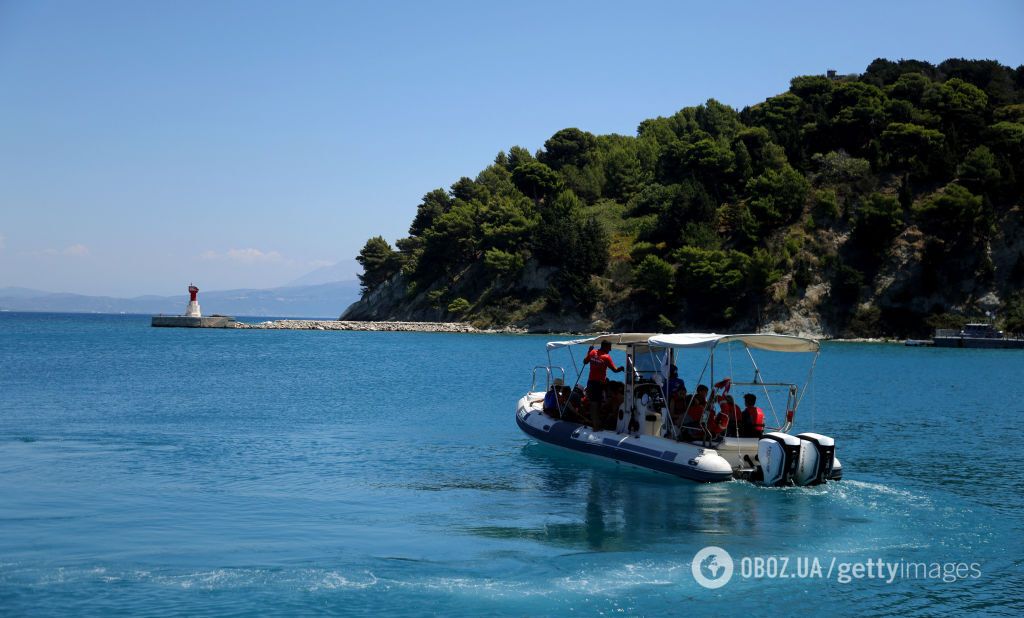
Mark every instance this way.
x=649 y=420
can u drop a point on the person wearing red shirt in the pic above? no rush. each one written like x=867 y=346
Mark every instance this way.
x=600 y=361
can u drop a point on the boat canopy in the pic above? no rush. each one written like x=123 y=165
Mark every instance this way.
x=773 y=343
x=619 y=341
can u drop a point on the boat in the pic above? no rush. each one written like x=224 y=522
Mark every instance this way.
x=645 y=435
x=975 y=335
x=918 y=343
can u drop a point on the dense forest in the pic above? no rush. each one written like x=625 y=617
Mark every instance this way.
x=885 y=203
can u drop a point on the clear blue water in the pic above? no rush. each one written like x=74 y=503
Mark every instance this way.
x=220 y=472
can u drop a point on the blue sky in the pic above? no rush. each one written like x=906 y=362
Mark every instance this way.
x=144 y=145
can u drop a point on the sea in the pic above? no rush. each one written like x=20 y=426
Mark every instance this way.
x=206 y=472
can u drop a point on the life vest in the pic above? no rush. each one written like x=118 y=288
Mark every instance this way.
x=696 y=410
x=755 y=416
x=731 y=411
x=718 y=423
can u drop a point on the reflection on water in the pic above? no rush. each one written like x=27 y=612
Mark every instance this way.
x=629 y=509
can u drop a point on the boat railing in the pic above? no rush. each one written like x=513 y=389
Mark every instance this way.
x=548 y=372
x=947 y=332
x=713 y=407
x=759 y=383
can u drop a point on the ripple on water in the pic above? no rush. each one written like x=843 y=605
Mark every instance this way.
x=382 y=474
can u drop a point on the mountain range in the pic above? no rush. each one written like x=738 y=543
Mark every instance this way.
x=308 y=301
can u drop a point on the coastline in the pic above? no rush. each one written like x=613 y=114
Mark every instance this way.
x=375 y=326
x=457 y=327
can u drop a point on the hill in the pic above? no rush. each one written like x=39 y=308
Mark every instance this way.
x=884 y=203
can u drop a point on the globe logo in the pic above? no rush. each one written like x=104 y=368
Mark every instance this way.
x=712 y=567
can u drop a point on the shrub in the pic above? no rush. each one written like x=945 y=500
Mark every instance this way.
x=654 y=275
x=502 y=262
x=458 y=306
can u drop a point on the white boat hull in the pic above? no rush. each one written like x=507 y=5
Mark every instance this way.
x=682 y=459
x=727 y=458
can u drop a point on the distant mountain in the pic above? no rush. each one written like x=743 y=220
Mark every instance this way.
x=344 y=270
x=327 y=300
x=20 y=293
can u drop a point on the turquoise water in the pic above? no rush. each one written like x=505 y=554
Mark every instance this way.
x=183 y=472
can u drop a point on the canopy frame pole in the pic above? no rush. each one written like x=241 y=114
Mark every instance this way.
x=670 y=358
x=689 y=401
x=810 y=374
x=799 y=399
x=708 y=405
x=760 y=379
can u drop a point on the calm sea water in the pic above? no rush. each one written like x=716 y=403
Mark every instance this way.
x=183 y=472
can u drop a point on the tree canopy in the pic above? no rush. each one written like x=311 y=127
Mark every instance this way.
x=712 y=215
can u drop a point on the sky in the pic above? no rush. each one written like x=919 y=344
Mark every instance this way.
x=145 y=145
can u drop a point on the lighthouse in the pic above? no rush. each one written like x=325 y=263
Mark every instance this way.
x=192 y=310
x=193 y=317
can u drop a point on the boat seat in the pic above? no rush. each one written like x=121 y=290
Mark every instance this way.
x=650 y=427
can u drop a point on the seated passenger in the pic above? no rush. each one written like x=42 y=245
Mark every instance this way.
x=677 y=404
x=732 y=412
x=575 y=402
x=682 y=402
x=675 y=384
x=717 y=425
x=554 y=399
x=694 y=412
x=752 y=418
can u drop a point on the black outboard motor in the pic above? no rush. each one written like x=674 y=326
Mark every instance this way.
x=779 y=457
x=817 y=458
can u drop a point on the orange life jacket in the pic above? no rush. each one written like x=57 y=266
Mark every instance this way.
x=756 y=417
x=718 y=423
x=731 y=411
x=696 y=410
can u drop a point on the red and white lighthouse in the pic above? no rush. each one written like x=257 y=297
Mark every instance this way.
x=192 y=310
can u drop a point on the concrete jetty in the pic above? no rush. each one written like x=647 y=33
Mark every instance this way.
x=193 y=317
x=187 y=321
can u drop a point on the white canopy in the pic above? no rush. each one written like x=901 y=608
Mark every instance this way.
x=773 y=343
x=619 y=341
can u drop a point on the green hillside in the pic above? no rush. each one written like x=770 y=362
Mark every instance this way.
x=884 y=203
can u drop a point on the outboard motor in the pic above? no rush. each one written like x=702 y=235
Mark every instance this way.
x=817 y=456
x=779 y=456
x=837 y=470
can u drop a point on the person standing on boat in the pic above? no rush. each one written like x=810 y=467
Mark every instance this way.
x=600 y=361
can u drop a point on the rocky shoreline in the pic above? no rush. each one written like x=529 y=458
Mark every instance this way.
x=462 y=327
x=378 y=326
